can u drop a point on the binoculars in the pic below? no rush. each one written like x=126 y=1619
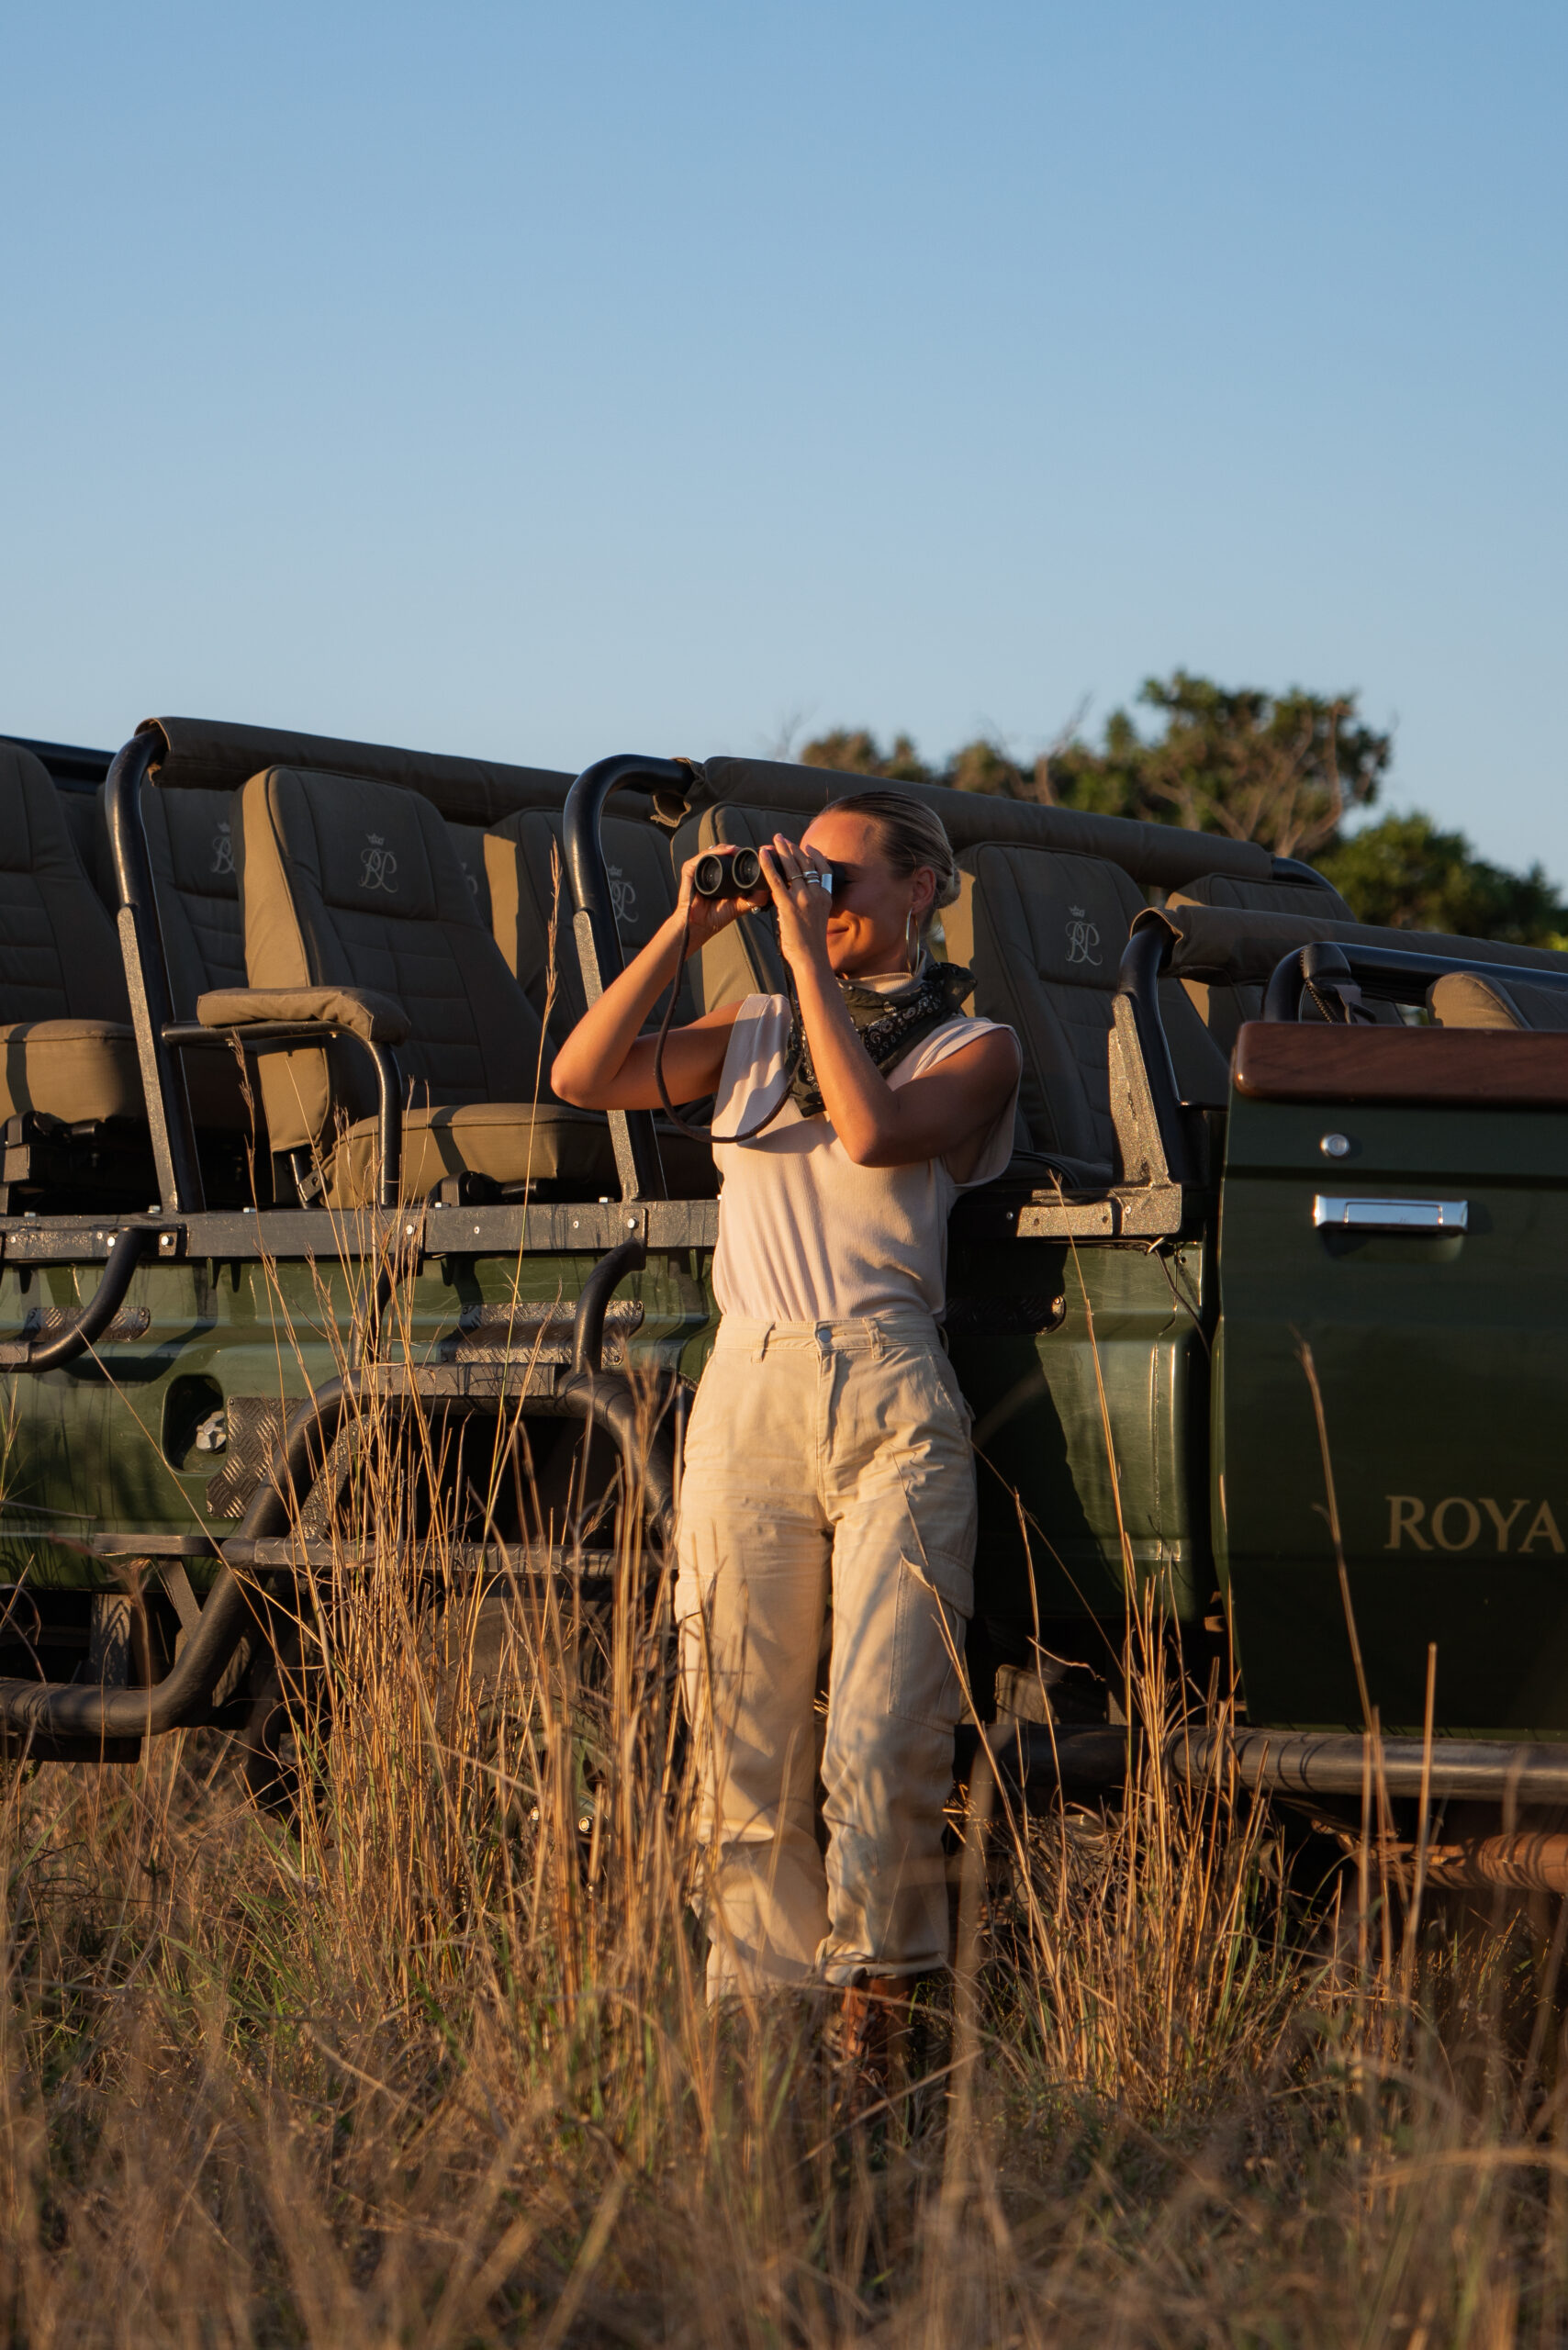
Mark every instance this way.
x=727 y=873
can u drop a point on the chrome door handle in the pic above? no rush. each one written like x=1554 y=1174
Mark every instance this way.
x=1389 y=1216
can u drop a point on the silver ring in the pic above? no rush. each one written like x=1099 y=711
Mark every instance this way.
x=811 y=875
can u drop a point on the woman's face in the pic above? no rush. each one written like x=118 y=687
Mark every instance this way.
x=868 y=930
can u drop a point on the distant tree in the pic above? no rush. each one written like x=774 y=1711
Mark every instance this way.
x=1407 y=875
x=1282 y=769
x=985 y=767
x=854 y=751
x=1279 y=768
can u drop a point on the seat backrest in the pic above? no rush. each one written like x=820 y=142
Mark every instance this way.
x=1237 y=951
x=82 y=811
x=58 y=956
x=353 y=883
x=522 y=853
x=1167 y=857
x=469 y=841
x=1044 y=933
x=190 y=847
x=207 y=754
x=1222 y=1010
x=1465 y=999
x=1289 y=897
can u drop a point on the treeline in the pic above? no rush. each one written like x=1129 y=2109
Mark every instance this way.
x=1286 y=769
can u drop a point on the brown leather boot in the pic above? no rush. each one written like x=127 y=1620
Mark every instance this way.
x=872 y=2039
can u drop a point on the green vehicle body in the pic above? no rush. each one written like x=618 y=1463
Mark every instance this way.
x=1442 y=1362
x=1178 y=1381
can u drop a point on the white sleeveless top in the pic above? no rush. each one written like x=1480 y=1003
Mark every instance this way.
x=804 y=1234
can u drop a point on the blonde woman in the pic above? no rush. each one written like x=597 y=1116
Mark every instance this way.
x=828 y=1496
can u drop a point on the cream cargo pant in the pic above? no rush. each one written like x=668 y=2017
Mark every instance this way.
x=828 y=1490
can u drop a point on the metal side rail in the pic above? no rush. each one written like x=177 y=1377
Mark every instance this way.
x=1336 y=1762
x=526 y=1564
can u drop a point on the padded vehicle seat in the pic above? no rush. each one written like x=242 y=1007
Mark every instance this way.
x=1318 y=897
x=469 y=841
x=644 y=889
x=1465 y=999
x=1241 y=951
x=66 y=1049
x=351 y=883
x=82 y=811
x=1044 y=932
x=190 y=847
x=1222 y=1010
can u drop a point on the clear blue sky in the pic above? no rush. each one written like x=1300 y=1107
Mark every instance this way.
x=545 y=382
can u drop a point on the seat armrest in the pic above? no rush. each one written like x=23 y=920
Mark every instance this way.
x=273 y=1020
x=362 y=1011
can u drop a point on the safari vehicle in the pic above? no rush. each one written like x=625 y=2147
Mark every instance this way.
x=1267 y=1318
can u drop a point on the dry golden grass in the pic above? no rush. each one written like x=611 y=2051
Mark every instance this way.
x=427 y=2062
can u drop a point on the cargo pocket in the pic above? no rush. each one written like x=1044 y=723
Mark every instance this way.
x=924 y=1684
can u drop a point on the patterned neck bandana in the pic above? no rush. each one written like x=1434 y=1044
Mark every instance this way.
x=891 y=1020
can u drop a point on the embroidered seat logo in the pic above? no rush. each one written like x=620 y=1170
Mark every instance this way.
x=1082 y=937
x=377 y=866
x=622 y=896
x=223 y=850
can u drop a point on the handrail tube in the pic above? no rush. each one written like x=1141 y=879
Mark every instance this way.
x=93 y=1319
x=597 y=937
x=280 y=1036
x=587 y=1322
x=1144 y=958
x=1381 y=971
x=169 y=1120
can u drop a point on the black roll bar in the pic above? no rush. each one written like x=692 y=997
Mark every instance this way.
x=1394 y=974
x=587 y=1323
x=89 y=1323
x=44 y=1713
x=147 y=980
x=1143 y=959
x=637 y=1160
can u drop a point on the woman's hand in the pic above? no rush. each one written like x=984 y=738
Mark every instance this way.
x=795 y=880
x=710 y=915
